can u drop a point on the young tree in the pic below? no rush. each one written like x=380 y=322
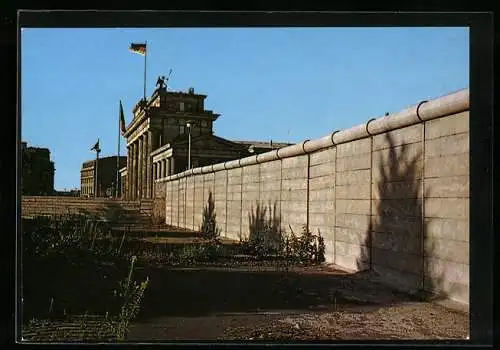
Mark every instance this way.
x=209 y=227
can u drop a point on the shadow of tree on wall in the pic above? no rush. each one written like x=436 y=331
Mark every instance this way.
x=397 y=235
x=264 y=225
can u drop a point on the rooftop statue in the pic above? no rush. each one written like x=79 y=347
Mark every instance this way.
x=160 y=83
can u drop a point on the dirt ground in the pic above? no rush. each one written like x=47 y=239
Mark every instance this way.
x=269 y=304
x=238 y=300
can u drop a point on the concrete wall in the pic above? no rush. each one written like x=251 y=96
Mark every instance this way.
x=59 y=205
x=234 y=199
x=391 y=194
x=190 y=202
x=446 y=208
x=159 y=205
x=220 y=194
x=322 y=217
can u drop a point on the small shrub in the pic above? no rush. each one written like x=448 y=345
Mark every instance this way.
x=189 y=254
x=265 y=238
x=320 y=252
x=209 y=229
x=259 y=247
x=306 y=248
x=45 y=236
x=212 y=250
x=131 y=294
x=207 y=251
x=51 y=246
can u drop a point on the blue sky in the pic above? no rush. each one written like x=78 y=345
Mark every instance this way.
x=280 y=84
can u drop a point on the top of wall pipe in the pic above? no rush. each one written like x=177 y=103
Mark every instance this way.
x=206 y=169
x=196 y=170
x=425 y=110
x=218 y=166
x=293 y=150
x=251 y=160
x=453 y=103
x=232 y=164
x=268 y=156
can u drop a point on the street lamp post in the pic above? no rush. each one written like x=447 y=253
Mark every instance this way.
x=188 y=125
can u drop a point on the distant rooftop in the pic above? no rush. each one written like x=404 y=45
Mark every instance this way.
x=24 y=145
x=261 y=144
x=164 y=90
x=189 y=91
x=88 y=163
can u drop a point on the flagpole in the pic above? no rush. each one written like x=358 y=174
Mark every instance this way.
x=96 y=175
x=145 y=55
x=118 y=155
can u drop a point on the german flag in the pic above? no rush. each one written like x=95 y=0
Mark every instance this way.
x=138 y=48
x=123 y=128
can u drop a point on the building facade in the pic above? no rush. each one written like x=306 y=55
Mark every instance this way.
x=104 y=184
x=37 y=173
x=167 y=132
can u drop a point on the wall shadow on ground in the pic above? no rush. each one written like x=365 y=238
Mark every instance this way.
x=77 y=289
x=397 y=236
x=205 y=292
x=264 y=226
